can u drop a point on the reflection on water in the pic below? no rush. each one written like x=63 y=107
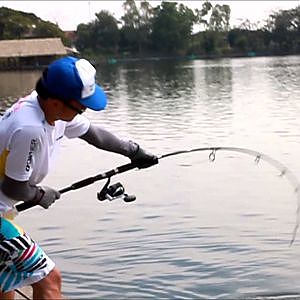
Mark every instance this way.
x=14 y=84
x=197 y=229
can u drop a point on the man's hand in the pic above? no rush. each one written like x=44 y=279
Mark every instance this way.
x=47 y=196
x=143 y=159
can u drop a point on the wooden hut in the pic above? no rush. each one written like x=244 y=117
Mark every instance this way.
x=30 y=53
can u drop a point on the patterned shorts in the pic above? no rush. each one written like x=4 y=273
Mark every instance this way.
x=22 y=261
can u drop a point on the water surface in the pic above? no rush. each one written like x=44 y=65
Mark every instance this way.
x=198 y=229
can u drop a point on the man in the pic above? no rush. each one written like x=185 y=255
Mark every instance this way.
x=30 y=134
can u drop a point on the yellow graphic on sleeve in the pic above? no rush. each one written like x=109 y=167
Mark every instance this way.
x=3 y=158
x=12 y=213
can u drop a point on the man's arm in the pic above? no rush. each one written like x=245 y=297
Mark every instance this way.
x=23 y=191
x=105 y=140
x=18 y=190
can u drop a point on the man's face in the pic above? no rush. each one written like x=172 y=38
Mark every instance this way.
x=70 y=109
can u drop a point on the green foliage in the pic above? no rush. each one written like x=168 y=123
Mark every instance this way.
x=166 y=29
x=212 y=41
x=219 y=19
x=105 y=32
x=99 y=36
x=238 y=40
x=14 y=24
x=285 y=28
x=84 y=39
x=219 y=16
x=18 y=25
x=137 y=23
x=172 y=28
x=46 y=29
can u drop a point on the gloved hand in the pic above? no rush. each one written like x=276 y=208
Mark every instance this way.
x=47 y=196
x=143 y=159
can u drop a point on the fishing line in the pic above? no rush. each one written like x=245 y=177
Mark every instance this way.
x=22 y=294
x=284 y=171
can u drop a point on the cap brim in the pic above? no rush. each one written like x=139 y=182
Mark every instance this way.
x=97 y=101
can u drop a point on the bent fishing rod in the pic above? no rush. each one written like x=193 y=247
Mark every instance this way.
x=117 y=191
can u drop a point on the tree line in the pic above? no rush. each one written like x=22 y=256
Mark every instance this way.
x=20 y=25
x=167 y=30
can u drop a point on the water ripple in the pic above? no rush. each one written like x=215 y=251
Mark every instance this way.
x=198 y=230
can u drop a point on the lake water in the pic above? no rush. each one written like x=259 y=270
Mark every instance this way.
x=198 y=229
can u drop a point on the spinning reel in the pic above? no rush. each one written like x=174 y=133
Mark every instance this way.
x=113 y=192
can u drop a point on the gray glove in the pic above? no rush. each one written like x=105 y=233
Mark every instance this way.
x=143 y=159
x=47 y=196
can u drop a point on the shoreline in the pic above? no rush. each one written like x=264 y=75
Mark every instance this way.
x=120 y=60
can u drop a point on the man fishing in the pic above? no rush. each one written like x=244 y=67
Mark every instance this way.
x=30 y=134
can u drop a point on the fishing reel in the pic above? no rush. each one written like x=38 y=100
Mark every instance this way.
x=113 y=192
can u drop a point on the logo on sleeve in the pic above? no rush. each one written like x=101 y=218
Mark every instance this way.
x=32 y=148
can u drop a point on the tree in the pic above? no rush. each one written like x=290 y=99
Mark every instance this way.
x=46 y=29
x=200 y=14
x=17 y=25
x=248 y=25
x=105 y=32
x=219 y=19
x=98 y=36
x=83 y=39
x=285 y=28
x=237 y=39
x=137 y=25
x=2 y=27
x=215 y=18
x=172 y=28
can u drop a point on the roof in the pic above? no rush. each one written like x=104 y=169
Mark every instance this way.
x=31 y=47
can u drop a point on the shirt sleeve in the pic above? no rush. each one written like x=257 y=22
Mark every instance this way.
x=77 y=127
x=23 y=149
x=105 y=140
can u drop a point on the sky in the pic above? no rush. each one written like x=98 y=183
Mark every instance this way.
x=68 y=14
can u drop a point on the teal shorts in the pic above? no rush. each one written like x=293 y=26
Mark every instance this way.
x=22 y=261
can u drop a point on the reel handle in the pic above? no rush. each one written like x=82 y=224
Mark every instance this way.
x=129 y=198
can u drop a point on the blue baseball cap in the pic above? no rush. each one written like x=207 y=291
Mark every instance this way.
x=71 y=78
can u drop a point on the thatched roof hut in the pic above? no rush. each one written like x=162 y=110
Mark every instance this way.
x=28 y=53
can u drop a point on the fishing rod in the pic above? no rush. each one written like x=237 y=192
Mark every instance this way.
x=117 y=191
x=108 y=192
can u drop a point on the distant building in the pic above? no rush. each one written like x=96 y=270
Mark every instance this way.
x=71 y=36
x=30 y=53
